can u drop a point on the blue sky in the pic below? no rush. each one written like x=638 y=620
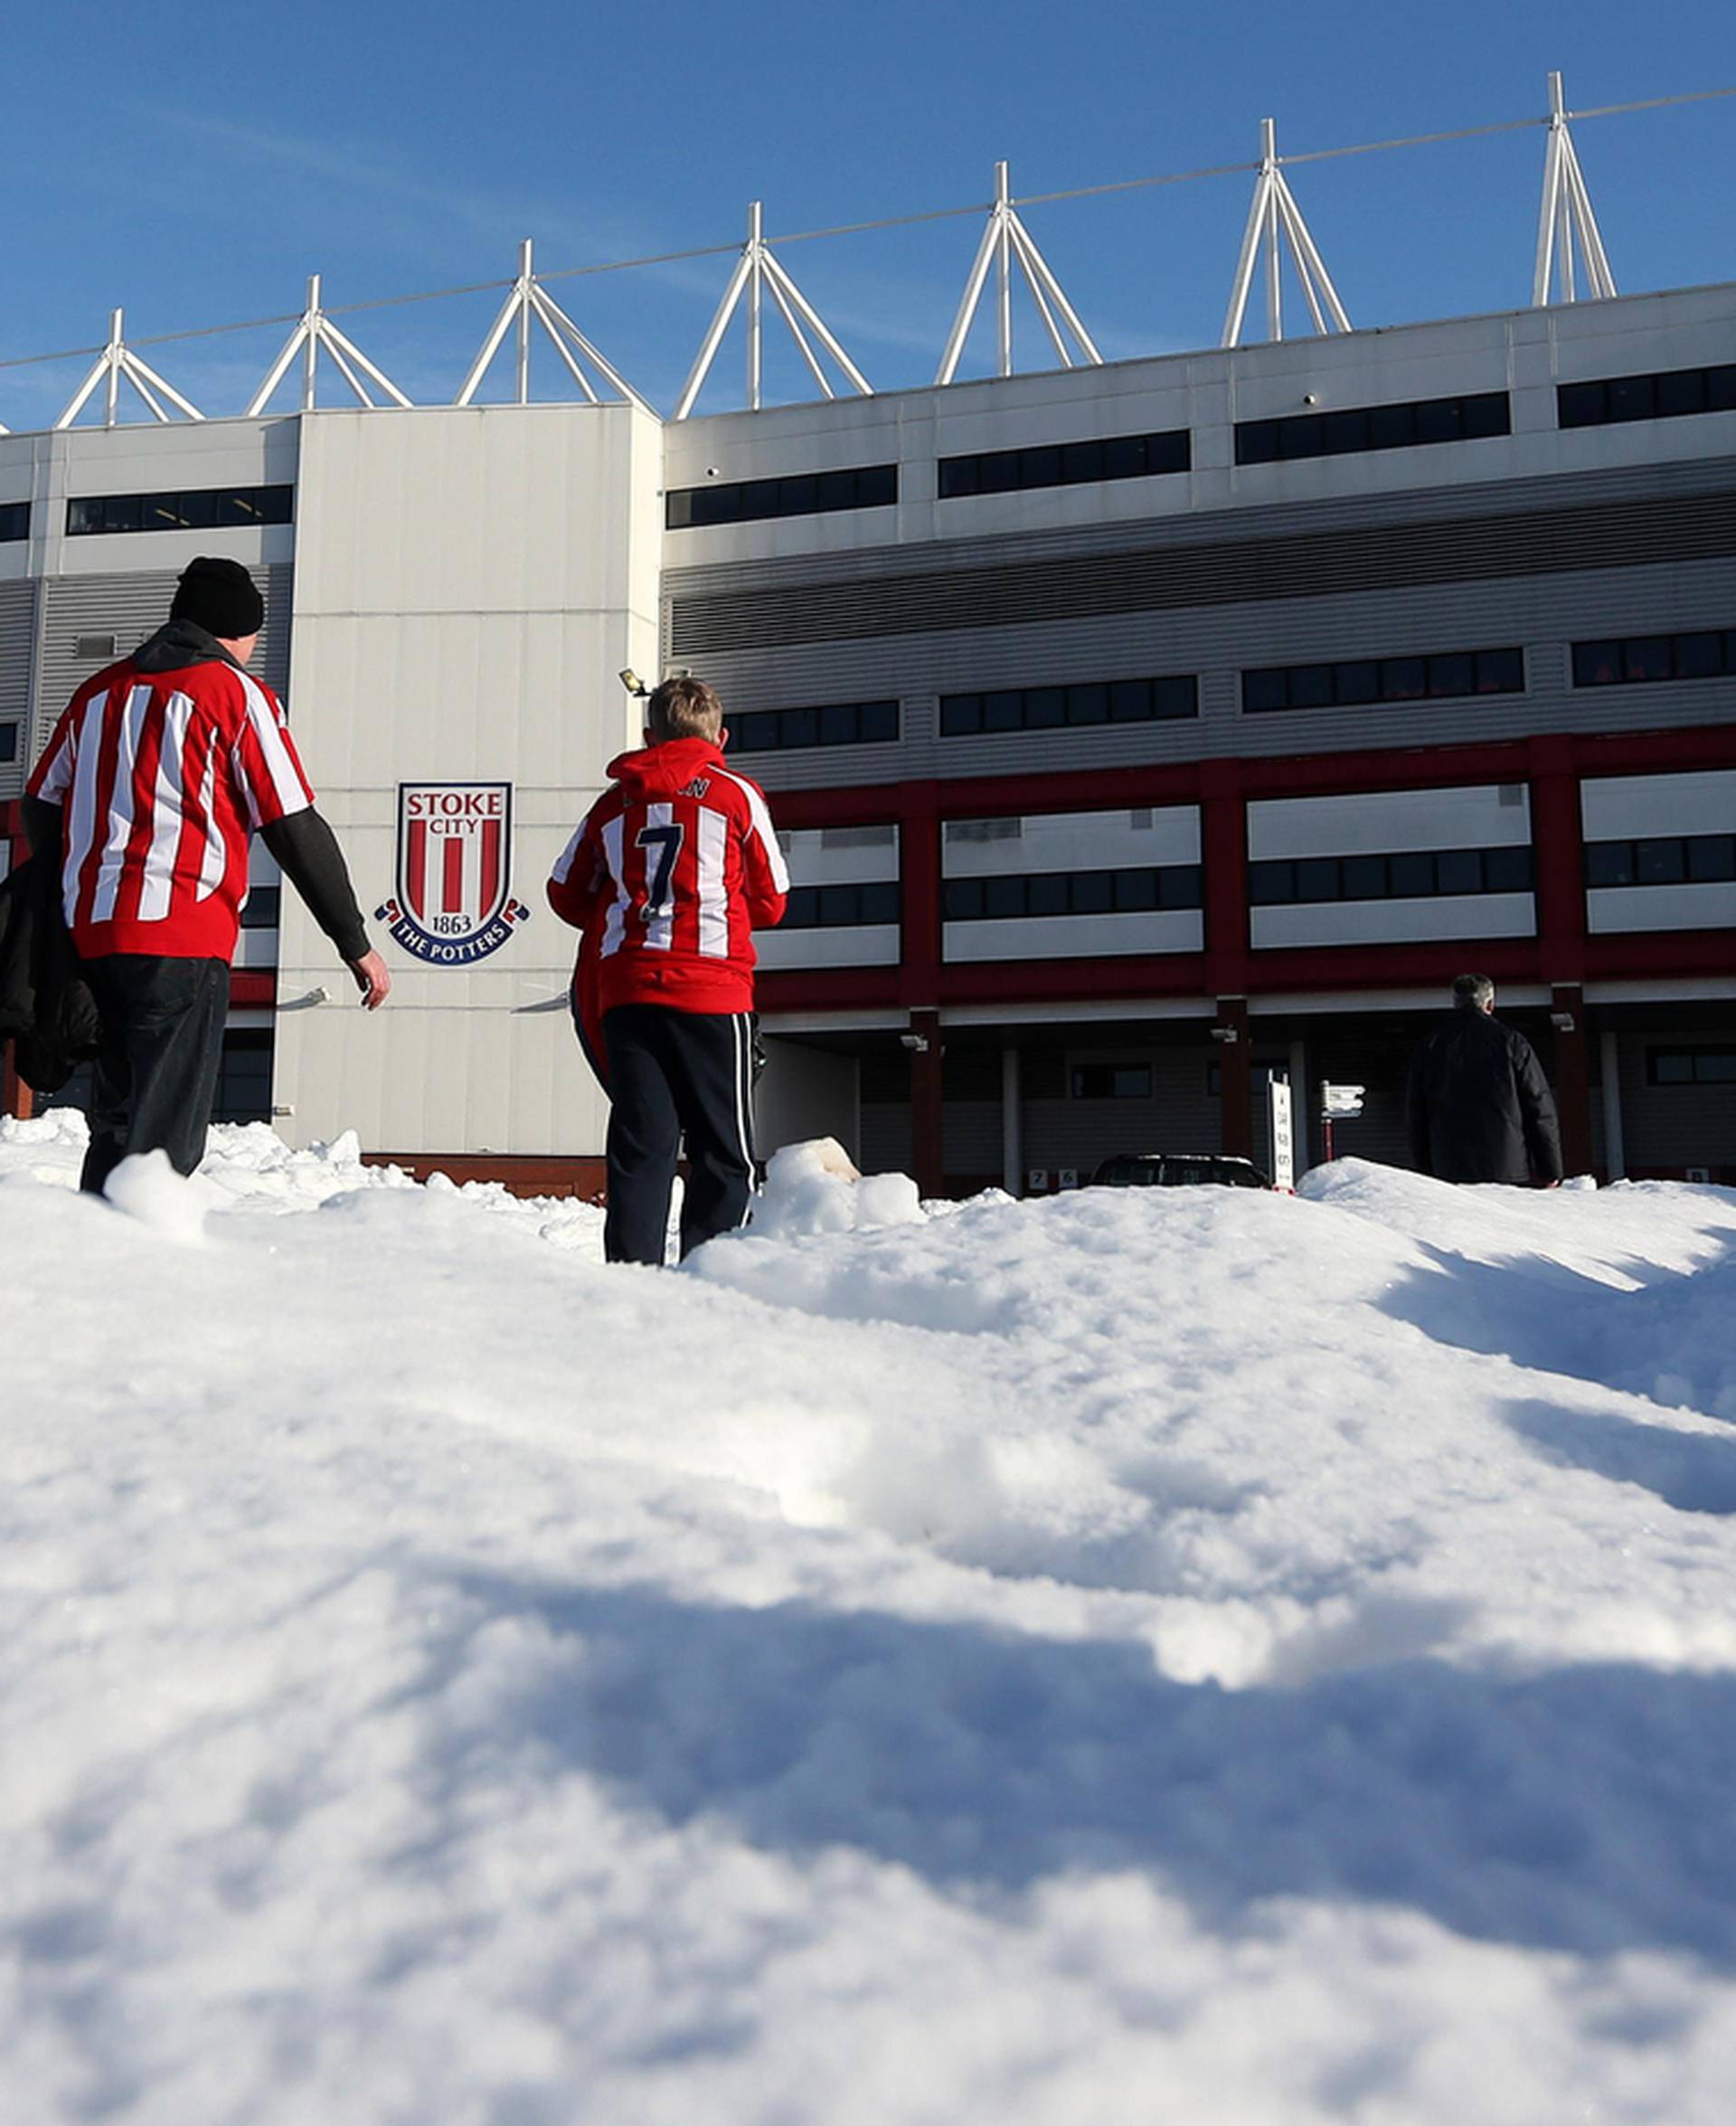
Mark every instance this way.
x=195 y=164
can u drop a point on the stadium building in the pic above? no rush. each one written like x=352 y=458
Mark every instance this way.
x=1136 y=729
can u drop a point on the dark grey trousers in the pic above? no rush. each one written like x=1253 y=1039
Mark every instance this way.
x=155 y=1075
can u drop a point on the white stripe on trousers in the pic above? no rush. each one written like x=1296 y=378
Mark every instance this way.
x=744 y=1102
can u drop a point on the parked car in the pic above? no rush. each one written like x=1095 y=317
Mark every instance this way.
x=1170 y=1170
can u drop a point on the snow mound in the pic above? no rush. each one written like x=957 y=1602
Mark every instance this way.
x=148 y=1188
x=1273 y=1651
x=814 y=1188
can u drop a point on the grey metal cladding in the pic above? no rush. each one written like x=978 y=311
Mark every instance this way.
x=129 y=608
x=17 y=632
x=1216 y=572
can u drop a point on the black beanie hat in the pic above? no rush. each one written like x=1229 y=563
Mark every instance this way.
x=220 y=596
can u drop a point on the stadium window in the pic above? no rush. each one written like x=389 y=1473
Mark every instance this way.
x=1110 y=1080
x=1661 y=394
x=263 y=908
x=1704 y=1063
x=1065 y=465
x=244 y=1077
x=1354 y=429
x=765 y=731
x=8 y=743
x=1645 y=660
x=1362 y=681
x=805 y=494
x=1662 y=860
x=1171 y=699
x=852 y=904
x=1408 y=875
x=14 y=521
x=1008 y=896
x=195 y=509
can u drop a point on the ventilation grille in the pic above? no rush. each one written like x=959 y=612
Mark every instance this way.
x=86 y=614
x=1315 y=564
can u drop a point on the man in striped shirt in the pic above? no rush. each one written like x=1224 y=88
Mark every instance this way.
x=146 y=801
x=669 y=874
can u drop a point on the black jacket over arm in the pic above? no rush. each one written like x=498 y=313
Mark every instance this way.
x=1478 y=1107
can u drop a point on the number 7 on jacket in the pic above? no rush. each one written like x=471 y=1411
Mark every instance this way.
x=667 y=840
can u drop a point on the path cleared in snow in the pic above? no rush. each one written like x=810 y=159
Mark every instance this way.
x=1144 y=1654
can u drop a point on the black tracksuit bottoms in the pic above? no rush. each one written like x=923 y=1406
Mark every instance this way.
x=675 y=1073
x=155 y=1075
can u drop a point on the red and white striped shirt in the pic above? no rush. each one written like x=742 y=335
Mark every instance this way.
x=162 y=777
x=675 y=867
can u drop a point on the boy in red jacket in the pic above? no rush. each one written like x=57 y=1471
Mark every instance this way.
x=669 y=874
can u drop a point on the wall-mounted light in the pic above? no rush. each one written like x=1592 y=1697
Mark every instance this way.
x=1562 y=1021
x=1229 y=1035
x=918 y=1043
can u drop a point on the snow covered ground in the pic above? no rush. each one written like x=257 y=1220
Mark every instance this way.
x=1189 y=1656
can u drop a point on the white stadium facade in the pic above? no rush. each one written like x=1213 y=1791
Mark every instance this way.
x=1136 y=729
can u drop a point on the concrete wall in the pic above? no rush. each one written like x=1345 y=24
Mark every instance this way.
x=468 y=584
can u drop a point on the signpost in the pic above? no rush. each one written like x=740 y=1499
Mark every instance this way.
x=1280 y=1122
x=1338 y=1103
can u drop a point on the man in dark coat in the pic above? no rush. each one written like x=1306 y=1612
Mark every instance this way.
x=1479 y=1106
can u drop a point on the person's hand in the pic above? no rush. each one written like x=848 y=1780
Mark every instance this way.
x=372 y=979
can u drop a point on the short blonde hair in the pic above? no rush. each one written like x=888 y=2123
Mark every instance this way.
x=684 y=708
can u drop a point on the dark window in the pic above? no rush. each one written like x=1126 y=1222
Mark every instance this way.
x=1579 y=405
x=1355 y=430
x=1045 y=708
x=1660 y=861
x=1111 y=1081
x=1361 y=681
x=1705 y=1063
x=1453 y=674
x=1506 y=871
x=1711 y=858
x=1410 y=874
x=1356 y=684
x=1264 y=691
x=766 y=730
x=197 y=510
x=1065 y=465
x=8 y=742
x=1643 y=661
x=849 y=905
x=1365 y=878
x=14 y=521
x=263 y=908
x=804 y=493
x=1609 y=864
x=1654 y=396
x=1311 y=686
x=1317 y=878
x=1407 y=874
x=244 y=1079
x=1661 y=394
x=1136 y=890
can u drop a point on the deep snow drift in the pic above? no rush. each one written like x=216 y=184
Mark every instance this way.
x=1147 y=1655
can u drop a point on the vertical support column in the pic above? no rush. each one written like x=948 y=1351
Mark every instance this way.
x=1572 y=1077
x=1012 y=1123
x=1235 y=1079
x=1223 y=853
x=919 y=978
x=1301 y=1134
x=1558 y=841
x=927 y=1107
x=1615 y=1148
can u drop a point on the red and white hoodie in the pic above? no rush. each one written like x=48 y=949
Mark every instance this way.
x=670 y=873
